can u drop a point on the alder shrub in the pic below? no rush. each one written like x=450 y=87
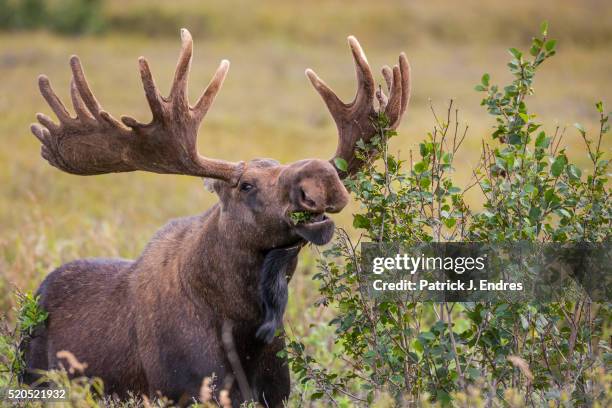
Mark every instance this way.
x=393 y=353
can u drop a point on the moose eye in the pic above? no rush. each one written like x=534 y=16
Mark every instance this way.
x=246 y=187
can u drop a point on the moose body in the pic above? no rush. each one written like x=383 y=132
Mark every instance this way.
x=155 y=324
x=207 y=295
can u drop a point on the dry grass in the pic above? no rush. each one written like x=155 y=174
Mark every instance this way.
x=267 y=108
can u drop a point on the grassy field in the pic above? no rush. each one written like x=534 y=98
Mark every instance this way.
x=267 y=107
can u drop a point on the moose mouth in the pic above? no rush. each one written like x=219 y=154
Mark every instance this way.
x=315 y=228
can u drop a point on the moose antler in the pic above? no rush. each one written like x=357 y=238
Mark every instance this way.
x=355 y=120
x=94 y=142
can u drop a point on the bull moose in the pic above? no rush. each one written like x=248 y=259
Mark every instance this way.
x=157 y=324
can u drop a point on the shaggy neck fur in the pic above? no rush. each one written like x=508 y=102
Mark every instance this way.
x=229 y=275
x=273 y=288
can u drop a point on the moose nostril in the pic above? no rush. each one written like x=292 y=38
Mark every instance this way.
x=307 y=200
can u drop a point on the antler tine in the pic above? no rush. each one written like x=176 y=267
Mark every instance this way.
x=54 y=102
x=365 y=86
x=405 y=70
x=394 y=105
x=151 y=93
x=336 y=107
x=208 y=96
x=154 y=99
x=87 y=96
x=79 y=106
x=178 y=92
x=355 y=120
x=388 y=75
x=365 y=81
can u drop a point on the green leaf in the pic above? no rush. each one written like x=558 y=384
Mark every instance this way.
x=515 y=139
x=550 y=196
x=558 y=165
x=418 y=346
x=341 y=164
x=473 y=373
x=562 y=212
x=392 y=164
x=515 y=53
x=450 y=222
x=574 y=172
x=550 y=45
x=30 y=313
x=425 y=182
x=425 y=149
x=542 y=141
x=427 y=336
x=544 y=28
x=299 y=217
x=534 y=213
x=420 y=167
x=360 y=221
x=317 y=395
x=454 y=190
x=443 y=397
x=485 y=79
x=524 y=322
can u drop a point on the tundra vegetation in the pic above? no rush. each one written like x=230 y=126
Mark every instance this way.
x=33 y=239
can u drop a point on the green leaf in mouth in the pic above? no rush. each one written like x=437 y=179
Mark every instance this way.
x=300 y=217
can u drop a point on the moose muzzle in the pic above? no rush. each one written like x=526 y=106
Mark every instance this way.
x=316 y=189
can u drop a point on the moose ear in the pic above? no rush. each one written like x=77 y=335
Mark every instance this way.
x=209 y=184
x=219 y=187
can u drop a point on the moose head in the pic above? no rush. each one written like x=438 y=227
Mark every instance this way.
x=205 y=267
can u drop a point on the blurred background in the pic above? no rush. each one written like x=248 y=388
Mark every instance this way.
x=267 y=108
